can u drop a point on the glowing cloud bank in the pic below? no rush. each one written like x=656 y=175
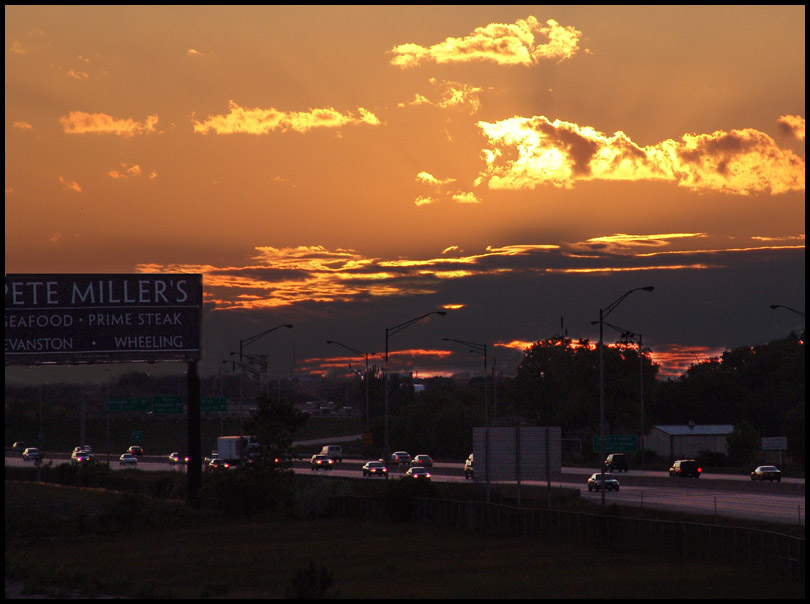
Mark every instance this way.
x=264 y=121
x=501 y=43
x=527 y=152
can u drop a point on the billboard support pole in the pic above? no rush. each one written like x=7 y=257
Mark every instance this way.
x=194 y=467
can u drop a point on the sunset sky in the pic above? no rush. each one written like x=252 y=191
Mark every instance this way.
x=346 y=169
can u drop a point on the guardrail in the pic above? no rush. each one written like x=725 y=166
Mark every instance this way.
x=776 y=552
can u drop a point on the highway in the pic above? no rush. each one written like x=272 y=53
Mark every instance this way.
x=721 y=494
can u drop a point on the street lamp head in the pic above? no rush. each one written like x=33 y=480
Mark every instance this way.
x=649 y=288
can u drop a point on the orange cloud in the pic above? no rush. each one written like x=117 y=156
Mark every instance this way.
x=264 y=121
x=70 y=185
x=792 y=125
x=279 y=277
x=442 y=188
x=453 y=95
x=504 y=44
x=79 y=122
x=527 y=152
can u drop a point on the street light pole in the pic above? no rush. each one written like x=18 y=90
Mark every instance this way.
x=390 y=331
x=480 y=349
x=629 y=336
x=793 y=310
x=603 y=313
x=251 y=339
x=355 y=351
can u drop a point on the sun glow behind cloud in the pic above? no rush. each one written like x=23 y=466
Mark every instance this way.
x=528 y=152
x=540 y=159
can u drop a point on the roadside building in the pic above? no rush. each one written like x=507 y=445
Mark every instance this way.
x=686 y=441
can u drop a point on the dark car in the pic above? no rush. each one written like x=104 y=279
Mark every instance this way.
x=616 y=462
x=321 y=461
x=32 y=454
x=400 y=457
x=216 y=465
x=135 y=450
x=375 y=468
x=419 y=472
x=80 y=457
x=767 y=473
x=685 y=468
x=595 y=482
x=176 y=458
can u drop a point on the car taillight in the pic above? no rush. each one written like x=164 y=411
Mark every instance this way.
x=699 y=470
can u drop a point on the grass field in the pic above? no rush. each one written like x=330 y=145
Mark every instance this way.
x=55 y=541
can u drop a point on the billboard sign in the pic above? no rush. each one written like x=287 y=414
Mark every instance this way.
x=517 y=453
x=90 y=318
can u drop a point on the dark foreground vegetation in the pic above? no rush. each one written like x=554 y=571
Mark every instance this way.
x=273 y=537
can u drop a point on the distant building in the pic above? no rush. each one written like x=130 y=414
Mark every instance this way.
x=685 y=442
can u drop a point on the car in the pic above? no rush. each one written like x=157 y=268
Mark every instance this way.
x=321 y=461
x=136 y=450
x=80 y=457
x=217 y=465
x=595 y=482
x=128 y=459
x=468 y=468
x=770 y=473
x=32 y=454
x=685 y=468
x=209 y=458
x=333 y=452
x=401 y=457
x=422 y=460
x=83 y=448
x=19 y=446
x=616 y=462
x=418 y=472
x=176 y=459
x=375 y=468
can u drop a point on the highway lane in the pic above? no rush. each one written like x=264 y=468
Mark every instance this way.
x=720 y=494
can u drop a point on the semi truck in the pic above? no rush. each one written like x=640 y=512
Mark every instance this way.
x=237 y=450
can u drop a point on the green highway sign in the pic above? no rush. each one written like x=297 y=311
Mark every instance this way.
x=619 y=443
x=216 y=403
x=162 y=405
x=128 y=404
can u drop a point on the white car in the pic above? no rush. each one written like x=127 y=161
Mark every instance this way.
x=128 y=459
